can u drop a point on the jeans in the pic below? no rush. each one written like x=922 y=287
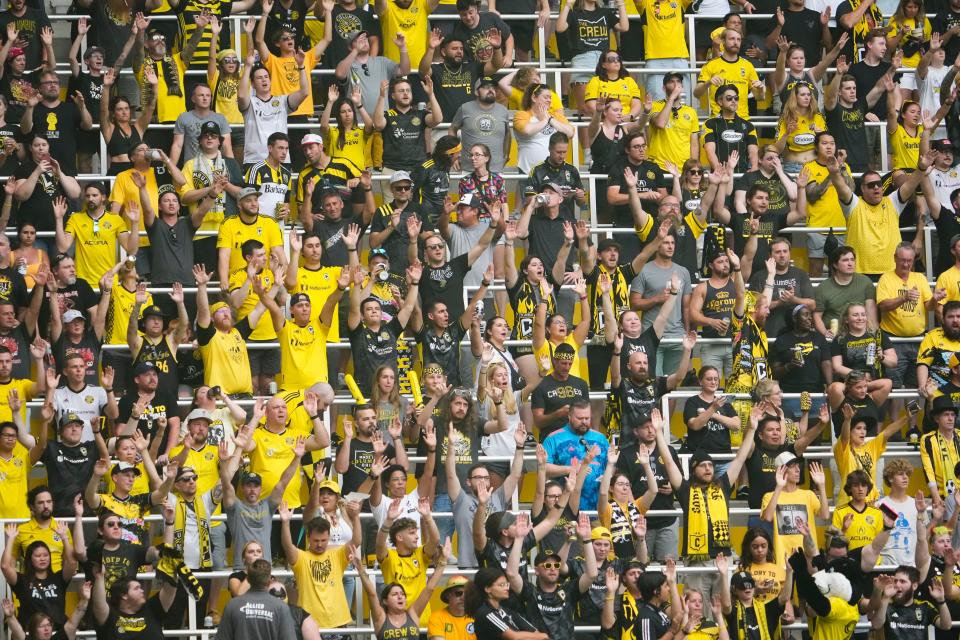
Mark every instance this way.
x=654 y=82
x=443 y=504
x=664 y=542
x=791 y=408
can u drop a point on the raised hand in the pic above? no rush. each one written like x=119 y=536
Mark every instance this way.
x=817 y=476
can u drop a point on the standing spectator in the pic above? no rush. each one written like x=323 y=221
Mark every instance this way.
x=119 y=130
x=861 y=20
x=40 y=181
x=803 y=26
x=272 y=178
x=249 y=224
x=940 y=449
x=675 y=134
x=573 y=440
x=257 y=613
x=727 y=133
x=475 y=28
x=824 y=204
x=900 y=547
x=789 y=505
x=431 y=178
x=558 y=392
x=535 y=126
x=557 y=171
x=189 y=127
x=845 y=110
x=452 y=618
x=791 y=287
x=223 y=77
x=710 y=419
x=729 y=68
x=483 y=121
x=93 y=403
x=30 y=24
x=89 y=84
x=409 y=18
x=665 y=40
x=800 y=359
x=404 y=128
x=633 y=171
x=844 y=287
x=547 y=235
x=455 y=76
x=16 y=80
x=360 y=68
x=869 y=70
x=711 y=307
x=612 y=82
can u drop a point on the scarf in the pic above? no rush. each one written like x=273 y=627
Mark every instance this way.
x=169 y=73
x=203 y=529
x=760 y=612
x=942 y=456
x=708 y=522
x=621 y=527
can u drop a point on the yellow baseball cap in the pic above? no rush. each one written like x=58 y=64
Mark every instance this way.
x=329 y=484
x=601 y=533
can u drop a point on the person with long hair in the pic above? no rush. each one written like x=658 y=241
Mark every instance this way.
x=605 y=134
x=611 y=80
x=27 y=257
x=223 y=76
x=696 y=626
x=756 y=558
x=791 y=68
x=799 y=124
x=515 y=83
x=711 y=420
x=41 y=626
x=390 y=612
x=386 y=399
x=769 y=398
x=526 y=290
x=345 y=138
x=237 y=582
x=485 y=601
x=618 y=510
x=39 y=589
x=909 y=30
x=533 y=125
x=862 y=348
x=550 y=332
x=493 y=392
x=119 y=130
x=855 y=391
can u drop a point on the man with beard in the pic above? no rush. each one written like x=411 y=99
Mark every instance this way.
x=42 y=526
x=902 y=614
x=769 y=173
x=249 y=224
x=455 y=76
x=483 y=120
x=149 y=342
x=711 y=307
x=633 y=172
x=13 y=288
x=69 y=292
x=149 y=409
x=639 y=393
x=60 y=120
x=574 y=440
x=360 y=67
x=705 y=502
x=404 y=128
x=937 y=348
x=729 y=67
x=320 y=174
x=791 y=287
x=431 y=178
x=172 y=245
x=389 y=229
x=555 y=395
x=548 y=602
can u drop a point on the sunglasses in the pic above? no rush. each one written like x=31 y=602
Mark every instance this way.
x=187 y=479
x=875 y=184
x=550 y=565
x=401 y=187
x=731 y=96
x=613 y=59
x=233 y=60
x=695 y=172
x=378 y=252
x=435 y=246
x=158 y=37
x=457 y=593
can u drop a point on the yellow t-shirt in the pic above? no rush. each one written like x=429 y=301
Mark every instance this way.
x=169 y=106
x=320 y=583
x=303 y=355
x=96 y=242
x=272 y=454
x=205 y=461
x=319 y=284
x=264 y=329
x=547 y=350
x=866 y=524
x=410 y=571
x=864 y=458
x=664 y=29
x=29 y=532
x=826 y=211
x=413 y=23
x=740 y=73
x=445 y=625
x=121 y=306
x=226 y=362
x=768 y=571
x=873 y=231
x=15 y=479
x=672 y=143
x=793 y=506
x=624 y=89
x=285 y=78
x=225 y=97
x=23 y=387
x=802 y=138
x=909 y=319
x=904 y=148
x=196 y=179
x=949 y=281
x=234 y=232
x=353 y=145
x=125 y=191
x=912 y=60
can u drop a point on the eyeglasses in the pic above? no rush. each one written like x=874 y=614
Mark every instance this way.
x=552 y=496
x=479 y=477
x=187 y=479
x=457 y=593
x=669 y=205
x=550 y=565
x=874 y=184
x=731 y=96
x=638 y=146
x=613 y=59
x=435 y=246
x=401 y=187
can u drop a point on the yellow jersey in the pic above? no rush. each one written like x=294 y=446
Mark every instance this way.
x=30 y=532
x=949 y=281
x=285 y=78
x=802 y=138
x=197 y=179
x=910 y=318
x=353 y=144
x=904 y=148
x=319 y=284
x=623 y=89
x=234 y=232
x=410 y=571
x=264 y=329
x=225 y=360
x=125 y=191
x=15 y=479
x=320 y=584
x=664 y=29
x=740 y=73
x=839 y=624
x=225 y=96
x=445 y=625
x=272 y=454
x=205 y=461
x=865 y=526
x=825 y=212
x=96 y=242
x=303 y=355
x=863 y=458
x=24 y=388
x=413 y=23
x=140 y=485
x=912 y=52
x=672 y=143
x=121 y=306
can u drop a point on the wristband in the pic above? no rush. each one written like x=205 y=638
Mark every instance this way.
x=315 y=417
x=939 y=604
x=342 y=288
x=582 y=298
x=434 y=450
x=354 y=249
x=110 y=390
x=498 y=403
x=169 y=524
x=737 y=269
x=415 y=284
x=485 y=283
x=616 y=353
x=519 y=448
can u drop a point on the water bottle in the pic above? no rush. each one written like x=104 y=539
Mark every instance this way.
x=871 y=354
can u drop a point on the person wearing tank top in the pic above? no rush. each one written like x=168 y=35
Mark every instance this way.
x=710 y=307
x=154 y=344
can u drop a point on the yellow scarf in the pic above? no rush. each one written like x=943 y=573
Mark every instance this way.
x=203 y=528
x=943 y=455
x=708 y=522
x=760 y=612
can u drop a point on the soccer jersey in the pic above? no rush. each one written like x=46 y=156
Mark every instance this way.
x=23 y=387
x=825 y=211
x=122 y=301
x=303 y=354
x=234 y=232
x=412 y=22
x=285 y=78
x=905 y=148
x=30 y=531
x=935 y=351
x=272 y=454
x=801 y=138
x=740 y=73
x=225 y=360
x=623 y=89
x=863 y=458
x=318 y=284
x=909 y=318
x=96 y=242
x=352 y=149
x=865 y=526
x=275 y=185
x=264 y=329
x=672 y=143
x=15 y=477
x=445 y=625
x=410 y=571
x=664 y=29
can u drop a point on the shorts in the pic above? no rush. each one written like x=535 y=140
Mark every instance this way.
x=587 y=60
x=264 y=362
x=88 y=142
x=522 y=31
x=904 y=374
x=908 y=81
x=815 y=242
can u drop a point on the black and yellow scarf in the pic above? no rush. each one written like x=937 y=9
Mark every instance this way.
x=708 y=522
x=203 y=529
x=759 y=611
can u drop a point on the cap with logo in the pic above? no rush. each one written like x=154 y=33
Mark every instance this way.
x=329 y=484
x=485 y=81
x=210 y=128
x=297 y=298
x=786 y=458
x=120 y=467
x=153 y=310
x=471 y=200
x=144 y=367
x=742 y=580
x=251 y=478
x=70 y=418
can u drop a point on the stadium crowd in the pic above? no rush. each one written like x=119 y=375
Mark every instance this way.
x=340 y=320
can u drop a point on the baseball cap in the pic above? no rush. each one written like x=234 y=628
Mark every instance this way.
x=120 y=467
x=497 y=522
x=548 y=554
x=72 y=315
x=785 y=458
x=70 y=418
x=601 y=533
x=199 y=414
x=942 y=144
x=608 y=243
x=144 y=367
x=329 y=484
x=353 y=35
x=248 y=191
x=471 y=200
x=400 y=176
x=153 y=310
x=553 y=185
x=742 y=580
x=453 y=583
x=311 y=138
x=210 y=128
x=184 y=471
x=251 y=478
x=485 y=81
x=297 y=298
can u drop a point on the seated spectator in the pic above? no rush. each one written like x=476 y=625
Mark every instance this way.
x=844 y=287
x=855 y=392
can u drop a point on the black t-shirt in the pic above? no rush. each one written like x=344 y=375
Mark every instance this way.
x=88 y=347
x=331 y=233
x=8 y=130
x=815 y=351
x=346 y=21
x=443 y=349
x=649 y=178
x=846 y=125
x=445 y=284
x=590 y=30
x=491 y=624
x=551 y=394
x=146 y=624
x=79 y=296
x=772 y=610
x=476 y=38
x=16 y=89
x=651 y=619
x=68 y=471
x=853 y=351
x=729 y=136
x=371 y=350
x=38 y=208
x=453 y=86
x=361 y=458
x=92 y=89
x=685 y=252
x=398 y=241
x=683 y=497
x=47 y=595
x=779 y=200
x=770 y=226
x=29 y=26
x=431 y=186
x=494 y=555
x=627 y=463
x=123 y=562
x=162 y=406
x=637 y=400
x=18 y=343
x=948 y=225
x=865 y=408
x=59 y=126
x=803 y=28
x=867 y=78
x=648 y=342
x=403 y=139
x=946 y=20
x=762 y=471
x=546 y=238
x=712 y=437
x=551 y=612
x=557 y=537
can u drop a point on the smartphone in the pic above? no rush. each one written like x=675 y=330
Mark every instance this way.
x=913 y=407
x=615 y=439
x=885 y=508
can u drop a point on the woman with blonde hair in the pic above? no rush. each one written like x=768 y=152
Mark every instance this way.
x=515 y=83
x=800 y=122
x=769 y=398
x=860 y=347
x=237 y=582
x=494 y=393
x=386 y=399
x=223 y=76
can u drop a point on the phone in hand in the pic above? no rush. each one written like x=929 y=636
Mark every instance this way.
x=913 y=407
x=888 y=511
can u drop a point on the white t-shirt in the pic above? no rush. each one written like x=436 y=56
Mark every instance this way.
x=408 y=509
x=902 y=546
x=502 y=443
x=930 y=96
x=191 y=533
x=261 y=119
x=532 y=150
x=88 y=403
x=944 y=183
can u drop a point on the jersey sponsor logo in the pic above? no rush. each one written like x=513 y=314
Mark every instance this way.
x=803 y=139
x=731 y=136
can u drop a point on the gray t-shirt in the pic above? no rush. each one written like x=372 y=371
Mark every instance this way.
x=478 y=125
x=368 y=77
x=257 y=615
x=651 y=281
x=461 y=241
x=464 y=508
x=171 y=251
x=249 y=523
x=188 y=125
